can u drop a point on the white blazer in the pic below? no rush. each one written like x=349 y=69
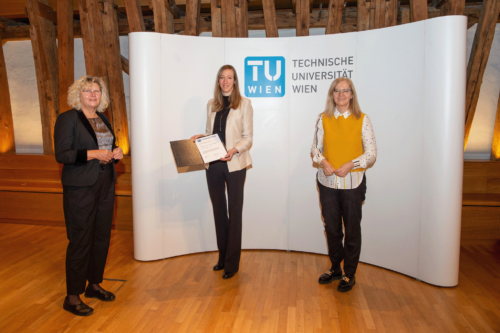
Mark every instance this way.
x=239 y=133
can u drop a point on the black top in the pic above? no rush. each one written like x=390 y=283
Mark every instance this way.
x=220 y=121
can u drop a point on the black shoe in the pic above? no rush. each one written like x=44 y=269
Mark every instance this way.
x=218 y=267
x=81 y=309
x=103 y=295
x=329 y=276
x=226 y=276
x=346 y=283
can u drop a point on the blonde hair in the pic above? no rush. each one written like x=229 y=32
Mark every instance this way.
x=353 y=104
x=234 y=98
x=83 y=82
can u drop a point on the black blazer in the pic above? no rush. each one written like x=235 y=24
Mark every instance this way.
x=73 y=137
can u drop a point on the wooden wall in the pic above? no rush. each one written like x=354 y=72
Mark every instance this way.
x=31 y=191
x=481 y=200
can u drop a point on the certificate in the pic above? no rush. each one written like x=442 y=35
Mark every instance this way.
x=211 y=148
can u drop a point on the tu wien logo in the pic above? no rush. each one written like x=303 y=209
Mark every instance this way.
x=265 y=76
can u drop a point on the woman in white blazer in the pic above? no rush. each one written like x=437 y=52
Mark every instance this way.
x=229 y=115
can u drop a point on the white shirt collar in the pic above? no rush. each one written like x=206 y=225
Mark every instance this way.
x=345 y=114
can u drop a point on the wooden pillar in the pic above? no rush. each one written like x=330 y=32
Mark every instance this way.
x=160 y=15
x=335 y=10
x=170 y=6
x=453 y=7
x=241 y=18
x=391 y=13
x=134 y=15
x=478 y=60
x=228 y=18
x=363 y=19
x=101 y=44
x=495 y=145
x=216 y=16
x=43 y=42
x=302 y=17
x=192 y=26
x=65 y=51
x=7 y=144
x=115 y=76
x=270 y=18
x=418 y=10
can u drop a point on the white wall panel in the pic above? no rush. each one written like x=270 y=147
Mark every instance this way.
x=405 y=86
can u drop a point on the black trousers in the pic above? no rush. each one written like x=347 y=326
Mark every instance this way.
x=338 y=205
x=227 y=226
x=88 y=211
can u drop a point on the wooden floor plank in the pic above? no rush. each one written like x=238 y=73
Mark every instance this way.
x=274 y=291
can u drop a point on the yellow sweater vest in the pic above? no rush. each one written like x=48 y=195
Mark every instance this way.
x=342 y=139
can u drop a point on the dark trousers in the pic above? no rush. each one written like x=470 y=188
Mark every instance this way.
x=338 y=205
x=227 y=227
x=88 y=211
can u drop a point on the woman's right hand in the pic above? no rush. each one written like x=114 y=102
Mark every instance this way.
x=194 y=137
x=328 y=169
x=100 y=154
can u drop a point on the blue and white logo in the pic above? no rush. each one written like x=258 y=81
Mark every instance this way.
x=265 y=76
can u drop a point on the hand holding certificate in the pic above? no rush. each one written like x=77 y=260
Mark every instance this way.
x=211 y=148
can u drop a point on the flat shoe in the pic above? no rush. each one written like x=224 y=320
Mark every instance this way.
x=346 y=283
x=81 y=309
x=218 y=267
x=329 y=276
x=226 y=276
x=103 y=295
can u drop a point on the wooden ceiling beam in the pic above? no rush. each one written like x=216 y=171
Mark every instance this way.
x=256 y=21
x=335 y=10
x=65 y=51
x=134 y=15
x=481 y=47
x=43 y=42
x=192 y=19
x=7 y=143
x=125 y=65
x=270 y=18
x=495 y=145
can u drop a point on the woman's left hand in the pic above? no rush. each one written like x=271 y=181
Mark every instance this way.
x=229 y=155
x=344 y=169
x=117 y=153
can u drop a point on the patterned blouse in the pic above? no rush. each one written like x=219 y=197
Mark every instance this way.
x=353 y=178
x=103 y=134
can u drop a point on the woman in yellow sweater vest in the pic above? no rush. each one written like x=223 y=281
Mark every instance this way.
x=344 y=146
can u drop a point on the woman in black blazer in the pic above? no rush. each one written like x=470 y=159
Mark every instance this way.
x=85 y=144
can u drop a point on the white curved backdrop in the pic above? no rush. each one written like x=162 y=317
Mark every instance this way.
x=410 y=81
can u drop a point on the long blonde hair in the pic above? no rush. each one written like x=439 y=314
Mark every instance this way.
x=353 y=104
x=83 y=82
x=234 y=98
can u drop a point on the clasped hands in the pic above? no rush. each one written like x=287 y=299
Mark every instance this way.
x=105 y=155
x=329 y=170
x=229 y=154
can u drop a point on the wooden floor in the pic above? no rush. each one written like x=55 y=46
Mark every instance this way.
x=274 y=291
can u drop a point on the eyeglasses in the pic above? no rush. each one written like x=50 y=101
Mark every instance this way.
x=344 y=91
x=88 y=91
